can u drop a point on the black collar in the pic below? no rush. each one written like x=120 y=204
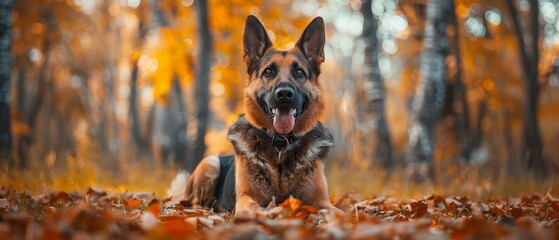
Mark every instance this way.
x=280 y=142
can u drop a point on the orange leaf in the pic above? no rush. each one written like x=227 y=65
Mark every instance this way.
x=309 y=209
x=132 y=203
x=418 y=209
x=516 y=212
x=452 y=207
x=177 y=226
x=291 y=203
x=496 y=211
x=155 y=207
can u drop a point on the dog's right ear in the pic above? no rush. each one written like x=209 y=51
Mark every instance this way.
x=255 y=41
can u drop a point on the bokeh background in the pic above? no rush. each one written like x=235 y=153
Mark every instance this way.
x=123 y=94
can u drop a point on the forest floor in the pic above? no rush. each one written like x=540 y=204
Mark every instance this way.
x=85 y=201
x=99 y=214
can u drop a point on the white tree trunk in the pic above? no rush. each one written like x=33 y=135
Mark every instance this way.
x=374 y=91
x=430 y=92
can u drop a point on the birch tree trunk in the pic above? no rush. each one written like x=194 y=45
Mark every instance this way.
x=374 y=91
x=6 y=7
x=429 y=96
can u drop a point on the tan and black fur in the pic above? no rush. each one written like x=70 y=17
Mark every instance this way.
x=267 y=164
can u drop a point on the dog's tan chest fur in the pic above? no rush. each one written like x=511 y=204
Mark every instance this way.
x=270 y=175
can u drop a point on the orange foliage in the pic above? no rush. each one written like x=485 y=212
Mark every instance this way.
x=97 y=213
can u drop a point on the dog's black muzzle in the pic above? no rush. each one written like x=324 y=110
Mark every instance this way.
x=284 y=95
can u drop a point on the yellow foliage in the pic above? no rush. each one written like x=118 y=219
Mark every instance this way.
x=461 y=10
x=488 y=85
x=172 y=56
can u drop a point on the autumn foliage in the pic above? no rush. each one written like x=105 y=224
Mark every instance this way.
x=103 y=97
x=136 y=215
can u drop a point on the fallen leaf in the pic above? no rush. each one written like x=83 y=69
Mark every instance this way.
x=418 y=209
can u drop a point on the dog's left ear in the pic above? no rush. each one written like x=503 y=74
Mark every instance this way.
x=312 y=41
x=255 y=42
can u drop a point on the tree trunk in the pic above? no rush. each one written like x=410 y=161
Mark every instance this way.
x=512 y=165
x=531 y=143
x=140 y=141
x=6 y=8
x=477 y=137
x=430 y=92
x=169 y=122
x=110 y=80
x=179 y=134
x=374 y=90
x=37 y=100
x=460 y=103
x=160 y=116
x=202 y=81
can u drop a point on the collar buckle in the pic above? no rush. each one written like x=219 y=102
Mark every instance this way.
x=280 y=142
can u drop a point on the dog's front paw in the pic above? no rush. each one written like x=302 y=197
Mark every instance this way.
x=246 y=207
x=334 y=211
x=250 y=213
x=331 y=214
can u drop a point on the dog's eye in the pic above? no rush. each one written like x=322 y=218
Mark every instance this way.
x=268 y=72
x=299 y=73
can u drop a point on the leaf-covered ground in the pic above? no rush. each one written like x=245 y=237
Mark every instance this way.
x=98 y=214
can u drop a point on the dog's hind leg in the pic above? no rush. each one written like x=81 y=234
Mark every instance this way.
x=200 y=188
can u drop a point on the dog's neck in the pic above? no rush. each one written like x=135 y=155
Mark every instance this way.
x=280 y=142
x=260 y=146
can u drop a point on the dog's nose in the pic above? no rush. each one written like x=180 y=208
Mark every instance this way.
x=284 y=93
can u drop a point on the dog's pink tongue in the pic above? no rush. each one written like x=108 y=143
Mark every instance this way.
x=284 y=122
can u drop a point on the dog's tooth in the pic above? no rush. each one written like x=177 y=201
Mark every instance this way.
x=274 y=110
x=293 y=111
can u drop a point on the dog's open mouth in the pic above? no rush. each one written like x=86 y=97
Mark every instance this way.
x=284 y=119
x=283 y=115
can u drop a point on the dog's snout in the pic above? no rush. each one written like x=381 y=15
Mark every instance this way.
x=284 y=93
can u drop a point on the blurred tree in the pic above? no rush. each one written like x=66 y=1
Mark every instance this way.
x=179 y=118
x=430 y=92
x=30 y=103
x=169 y=120
x=110 y=28
x=531 y=143
x=374 y=90
x=202 y=81
x=457 y=92
x=140 y=141
x=6 y=7
x=170 y=127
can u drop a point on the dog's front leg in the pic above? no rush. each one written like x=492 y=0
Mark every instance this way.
x=245 y=204
x=321 y=199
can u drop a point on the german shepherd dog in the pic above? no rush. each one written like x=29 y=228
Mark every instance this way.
x=280 y=145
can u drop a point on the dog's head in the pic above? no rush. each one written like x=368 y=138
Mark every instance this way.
x=283 y=92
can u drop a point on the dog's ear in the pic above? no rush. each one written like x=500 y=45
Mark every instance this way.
x=311 y=42
x=255 y=41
